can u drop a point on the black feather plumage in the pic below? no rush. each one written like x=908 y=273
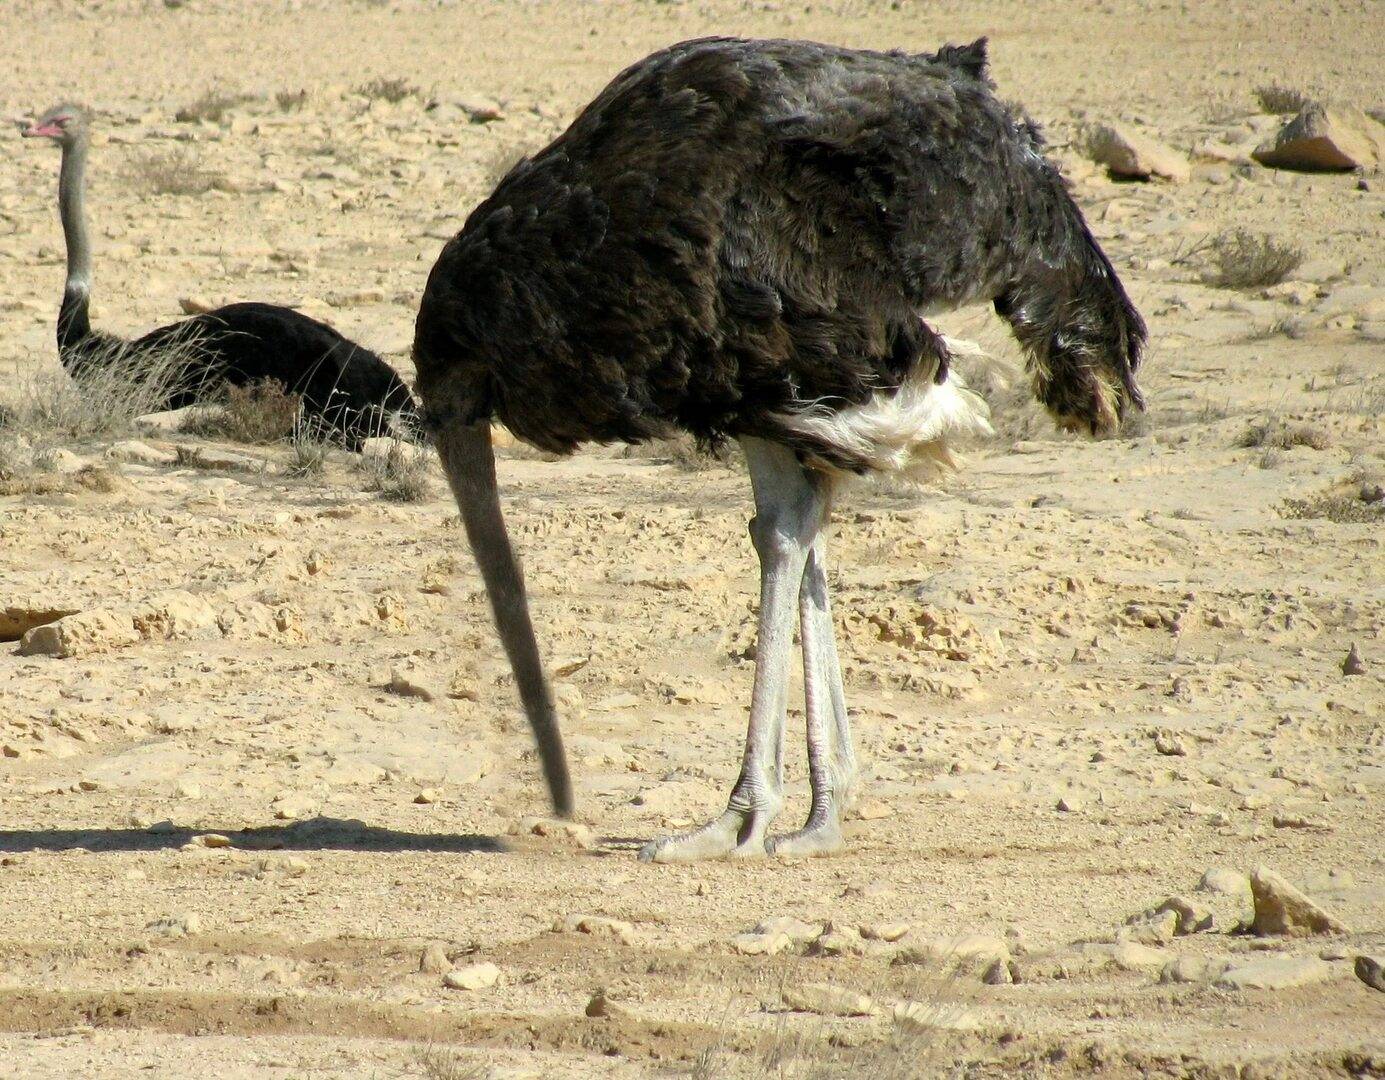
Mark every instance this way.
x=733 y=230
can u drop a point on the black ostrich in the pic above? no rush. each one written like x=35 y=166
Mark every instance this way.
x=736 y=239
x=348 y=388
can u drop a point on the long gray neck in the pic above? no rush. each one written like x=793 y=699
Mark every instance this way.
x=73 y=322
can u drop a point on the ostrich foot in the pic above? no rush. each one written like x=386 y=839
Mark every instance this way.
x=736 y=834
x=821 y=836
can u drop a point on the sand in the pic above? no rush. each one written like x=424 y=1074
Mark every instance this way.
x=1082 y=674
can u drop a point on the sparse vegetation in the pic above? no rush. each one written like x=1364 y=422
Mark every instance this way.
x=400 y=473
x=681 y=451
x=211 y=107
x=1278 y=434
x=1342 y=508
x=1280 y=99
x=392 y=90
x=441 y=1063
x=172 y=171
x=1245 y=260
x=291 y=100
x=258 y=413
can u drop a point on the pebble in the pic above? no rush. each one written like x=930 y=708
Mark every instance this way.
x=569 y=832
x=753 y=944
x=472 y=977
x=796 y=930
x=427 y=796
x=826 y=1000
x=1282 y=909
x=293 y=807
x=1071 y=804
x=212 y=840
x=1169 y=744
x=885 y=931
x=1353 y=664
x=1276 y=973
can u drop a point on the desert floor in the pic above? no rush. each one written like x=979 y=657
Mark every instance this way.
x=1149 y=630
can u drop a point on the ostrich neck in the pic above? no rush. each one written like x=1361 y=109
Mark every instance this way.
x=72 y=184
x=74 y=322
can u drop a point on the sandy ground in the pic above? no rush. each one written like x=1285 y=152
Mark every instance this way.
x=1149 y=631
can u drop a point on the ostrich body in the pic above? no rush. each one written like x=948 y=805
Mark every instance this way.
x=348 y=387
x=738 y=239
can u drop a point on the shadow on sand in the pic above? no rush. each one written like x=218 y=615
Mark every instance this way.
x=315 y=834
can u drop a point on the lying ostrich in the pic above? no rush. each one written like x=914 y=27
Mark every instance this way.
x=348 y=388
x=736 y=239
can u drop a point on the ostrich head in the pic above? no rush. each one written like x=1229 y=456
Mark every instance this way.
x=66 y=125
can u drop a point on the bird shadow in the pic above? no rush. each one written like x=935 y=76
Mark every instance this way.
x=312 y=834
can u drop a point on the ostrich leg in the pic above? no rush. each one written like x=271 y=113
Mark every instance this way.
x=831 y=760
x=790 y=510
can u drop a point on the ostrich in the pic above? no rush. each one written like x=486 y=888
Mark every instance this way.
x=738 y=239
x=350 y=389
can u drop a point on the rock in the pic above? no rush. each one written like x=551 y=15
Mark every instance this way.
x=294 y=807
x=1371 y=972
x=140 y=453
x=18 y=618
x=212 y=840
x=1169 y=744
x=1282 y=909
x=176 y=616
x=472 y=977
x=176 y=925
x=479 y=109
x=1070 y=804
x=1125 y=955
x=753 y=944
x=826 y=1000
x=406 y=684
x=622 y=931
x=1353 y=664
x=965 y=952
x=873 y=810
x=796 y=930
x=434 y=960
x=1324 y=139
x=1276 y=973
x=83 y=634
x=600 y=1006
x=884 y=931
x=428 y=796
x=1156 y=927
x=1192 y=969
x=1132 y=155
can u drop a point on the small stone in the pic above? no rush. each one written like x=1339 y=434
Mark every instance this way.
x=827 y=1000
x=1276 y=973
x=428 y=796
x=1133 y=155
x=1370 y=971
x=1353 y=664
x=472 y=977
x=873 y=810
x=294 y=807
x=600 y=1006
x=212 y=840
x=1169 y=744
x=1156 y=927
x=1322 y=139
x=966 y=952
x=1070 y=804
x=1282 y=909
x=568 y=832
x=999 y=973
x=434 y=960
x=1191 y=969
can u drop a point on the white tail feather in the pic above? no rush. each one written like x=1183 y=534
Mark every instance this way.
x=904 y=431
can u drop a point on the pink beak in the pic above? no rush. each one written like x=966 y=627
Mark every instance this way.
x=51 y=131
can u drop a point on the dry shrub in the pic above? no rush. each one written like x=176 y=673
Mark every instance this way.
x=1277 y=434
x=400 y=473
x=258 y=413
x=1343 y=509
x=307 y=447
x=211 y=106
x=291 y=100
x=173 y=171
x=441 y=1063
x=1280 y=99
x=117 y=384
x=682 y=452
x=392 y=90
x=1246 y=260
